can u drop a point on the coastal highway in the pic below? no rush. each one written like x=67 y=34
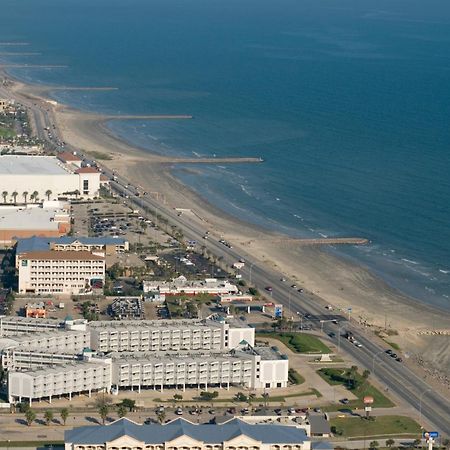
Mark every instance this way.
x=396 y=377
x=392 y=374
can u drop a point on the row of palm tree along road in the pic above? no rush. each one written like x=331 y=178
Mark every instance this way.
x=34 y=195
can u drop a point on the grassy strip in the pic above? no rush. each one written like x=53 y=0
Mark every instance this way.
x=100 y=155
x=335 y=376
x=294 y=377
x=6 y=133
x=298 y=342
x=273 y=399
x=381 y=426
x=394 y=345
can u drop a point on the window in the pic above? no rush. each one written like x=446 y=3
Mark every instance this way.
x=85 y=186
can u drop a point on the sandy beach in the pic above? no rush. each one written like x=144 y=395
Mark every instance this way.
x=423 y=332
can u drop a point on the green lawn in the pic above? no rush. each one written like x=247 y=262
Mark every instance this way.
x=335 y=376
x=294 y=377
x=298 y=342
x=381 y=426
x=6 y=133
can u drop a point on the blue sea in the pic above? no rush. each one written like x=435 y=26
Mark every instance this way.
x=347 y=101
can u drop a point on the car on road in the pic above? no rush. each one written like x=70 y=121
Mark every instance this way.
x=283 y=279
x=389 y=351
x=300 y=290
x=294 y=286
x=332 y=334
x=269 y=288
x=393 y=355
x=344 y=401
x=179 y=411
x=399 y=359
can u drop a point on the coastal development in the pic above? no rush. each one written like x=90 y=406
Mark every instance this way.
x=116 y=302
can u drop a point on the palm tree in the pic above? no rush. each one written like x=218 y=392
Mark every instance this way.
x=390 y=443
x=14 y=196
x=30 y=416
x=34 y=196
x=4 y=195
x=64 y=413
x=121 y=411
x=48 y=192
x=103 y=411
x=25 y=195
x=48 y=416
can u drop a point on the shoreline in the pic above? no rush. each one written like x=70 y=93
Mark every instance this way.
x=339 y=281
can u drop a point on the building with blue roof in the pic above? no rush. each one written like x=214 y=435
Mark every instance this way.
x=180 y=434
x=103 y=245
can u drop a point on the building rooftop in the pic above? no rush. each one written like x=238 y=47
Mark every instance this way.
x=35 y=218
x=154 y=324
x=68 y=157
x=37 y=243
x=207 y=433
x=31 y=165
x=186 y=356
x=87 y=170
x=54 y=255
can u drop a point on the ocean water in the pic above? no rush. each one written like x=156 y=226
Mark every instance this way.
x=348 y=103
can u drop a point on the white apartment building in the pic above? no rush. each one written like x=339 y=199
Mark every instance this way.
x=251 y=367
x=139 y=354
x=59 y=380
x=37 y=349
x=29 y=179
x=157 y=335
x=12 y=325
x=180 y=434
x=56 y=272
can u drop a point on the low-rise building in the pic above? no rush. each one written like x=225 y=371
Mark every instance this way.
x=180 y=434
x=102 y=245
x=35 y=310
x=55 y=272
x=181 y=285
x=30 y=179
x=19 y=223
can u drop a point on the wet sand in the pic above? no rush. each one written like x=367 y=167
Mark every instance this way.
x=339 y=282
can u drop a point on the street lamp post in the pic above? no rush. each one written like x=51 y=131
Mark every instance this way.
x=250 y=276
x=420 y=403
x=373 y=360
x=339 y=338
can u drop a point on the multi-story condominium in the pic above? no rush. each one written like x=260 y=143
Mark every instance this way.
x=255 y=368
x=249 y=367
x=138 y=354
x=60 y=380
x=12 y=325
x=57 y=272
x=157 y=335
x=37 y=349
x=180 y=434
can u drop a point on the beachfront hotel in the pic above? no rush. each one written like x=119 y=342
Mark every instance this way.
x=32 y=179
x=58 y=272
x=44 y=358
x=180 y=434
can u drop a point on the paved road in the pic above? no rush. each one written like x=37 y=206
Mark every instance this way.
x=395 y=376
